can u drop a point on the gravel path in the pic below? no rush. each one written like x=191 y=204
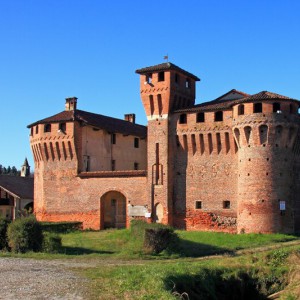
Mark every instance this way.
x=30 y=279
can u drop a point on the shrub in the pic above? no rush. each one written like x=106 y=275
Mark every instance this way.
x=155 y=237
x=25 y=234
x=3 y=231
x=158 y=239
x=61 y=227
x=51 y=243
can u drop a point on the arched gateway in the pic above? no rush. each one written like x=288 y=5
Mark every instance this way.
x=113 y=210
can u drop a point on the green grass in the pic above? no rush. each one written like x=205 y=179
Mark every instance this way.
x=121 y=244
x=120 y=269
x=159 y=280
x=118 y=243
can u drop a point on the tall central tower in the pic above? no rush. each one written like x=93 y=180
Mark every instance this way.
x=163 y=88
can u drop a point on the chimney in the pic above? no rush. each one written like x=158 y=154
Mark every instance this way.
x=71 y=103
x=130 y=118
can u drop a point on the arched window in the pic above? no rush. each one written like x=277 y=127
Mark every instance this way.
x=276 y=107
x=200 y=117
x=47 y=128
x=257 y=108
x=241 y=109
x=182 y=119
x=218 y=116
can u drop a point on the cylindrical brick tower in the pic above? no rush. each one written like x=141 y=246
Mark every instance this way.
x=265 y=127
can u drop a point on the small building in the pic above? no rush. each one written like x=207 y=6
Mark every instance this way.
x=16 y=193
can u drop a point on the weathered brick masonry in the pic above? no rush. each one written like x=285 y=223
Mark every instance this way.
x=231 y=164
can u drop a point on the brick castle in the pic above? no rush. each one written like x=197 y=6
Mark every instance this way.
x=231 y=164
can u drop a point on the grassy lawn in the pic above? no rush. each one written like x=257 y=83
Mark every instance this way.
x=257 y=275
x=118 y=243
x=121 y=270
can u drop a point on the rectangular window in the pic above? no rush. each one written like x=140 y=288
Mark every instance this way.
x=62 y=127
x=161 y=76
x=226 y=204
x=187 y=83
x=37 y=129
x=113 y=138
x=113 y=165
x=149 y=78
x=198 y=204
x=177 y=78
x=136 y=166
x=136 y=142
x=200 y=117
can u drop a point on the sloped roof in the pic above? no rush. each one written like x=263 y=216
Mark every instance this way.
x=21 y=187
x=165 y=67
x=109 y=124
x=220 y=104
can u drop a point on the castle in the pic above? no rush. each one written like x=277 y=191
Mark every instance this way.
x=231 y=164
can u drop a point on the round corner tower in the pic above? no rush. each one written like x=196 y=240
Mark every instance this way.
x=265 y=127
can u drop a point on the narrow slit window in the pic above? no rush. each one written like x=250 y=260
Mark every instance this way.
x=136 y=166
x=113 y=138
x=188 y=83
x=136 y=142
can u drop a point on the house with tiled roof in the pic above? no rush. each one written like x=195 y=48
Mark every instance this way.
x=230 y=164
x=16 y=193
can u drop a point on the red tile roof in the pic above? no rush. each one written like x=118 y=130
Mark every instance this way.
x=21 y=187
x=109 y=124
x=218 y=104
x=165 y=67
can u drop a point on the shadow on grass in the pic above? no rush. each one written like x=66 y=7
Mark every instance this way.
x=185 y=248
x=212 y=284
x=82 y=251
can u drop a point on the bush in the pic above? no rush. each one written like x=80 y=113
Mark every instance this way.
x=3 y=232
x=61 y=227
x=25 y=234
x=51 y=243
x=156 y=237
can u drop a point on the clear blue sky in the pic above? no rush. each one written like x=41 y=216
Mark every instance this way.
x=53 y=49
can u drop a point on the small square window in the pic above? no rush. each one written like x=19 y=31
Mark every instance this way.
x=226 y=204
x=182 y=119
x=198 y=204
x=200 y=117
x=47 y=128
x=136 y=142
